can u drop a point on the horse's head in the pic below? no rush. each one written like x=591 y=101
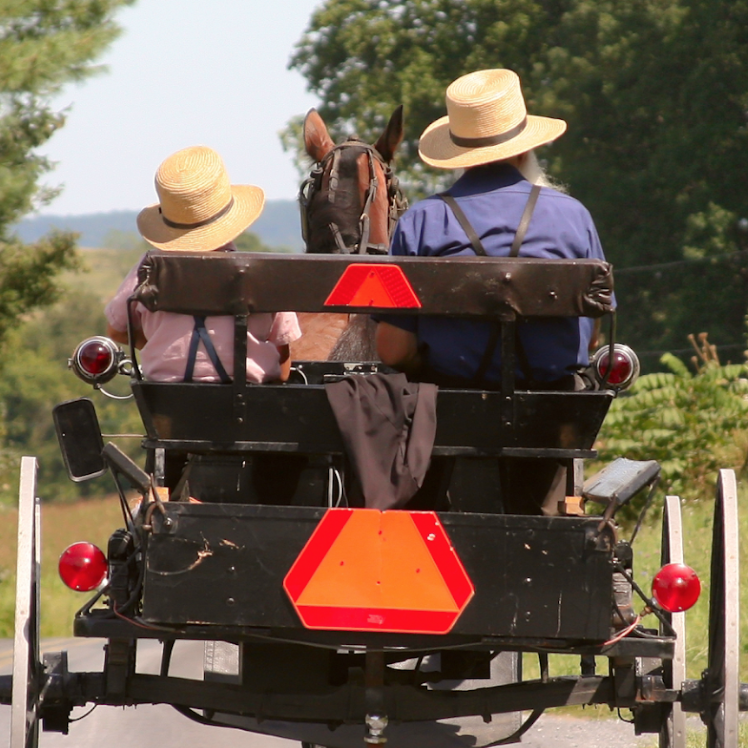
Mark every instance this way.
x=351 y=200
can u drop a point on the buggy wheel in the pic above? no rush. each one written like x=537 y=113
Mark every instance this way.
x=721 y=677
x=673 y=728
x=27 y=666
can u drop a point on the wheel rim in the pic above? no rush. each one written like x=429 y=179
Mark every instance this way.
x=673 y=730
x=722 y=677
x=27 y=667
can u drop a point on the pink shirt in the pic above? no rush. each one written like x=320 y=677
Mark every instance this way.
x=164 y=356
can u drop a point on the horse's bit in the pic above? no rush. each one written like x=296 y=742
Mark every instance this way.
x=397 y=202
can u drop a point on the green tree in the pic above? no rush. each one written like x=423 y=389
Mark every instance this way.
x=36 y=377
x=251 y=242
x=693 y=424
x=656 y=96
x=43 y=45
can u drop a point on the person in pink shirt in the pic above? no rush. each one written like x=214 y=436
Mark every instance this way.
x=199 y=210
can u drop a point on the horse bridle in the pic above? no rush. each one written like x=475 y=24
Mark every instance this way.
x=397 y=202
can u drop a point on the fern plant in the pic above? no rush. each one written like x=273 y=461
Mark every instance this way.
x=693 y=424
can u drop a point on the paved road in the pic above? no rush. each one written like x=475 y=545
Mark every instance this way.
x=162 y=727
x=157 y=726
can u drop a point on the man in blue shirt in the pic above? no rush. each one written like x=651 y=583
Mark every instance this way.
x=488 y=133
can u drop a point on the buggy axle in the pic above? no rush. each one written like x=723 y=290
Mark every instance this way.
x=62 y=690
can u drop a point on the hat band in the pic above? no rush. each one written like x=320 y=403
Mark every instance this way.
x=221 y=213
x=490 y=139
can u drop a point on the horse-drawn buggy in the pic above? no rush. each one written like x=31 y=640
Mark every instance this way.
x=334 y=623
x=333 y=611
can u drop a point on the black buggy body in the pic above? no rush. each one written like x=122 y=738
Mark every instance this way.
x=425 y=650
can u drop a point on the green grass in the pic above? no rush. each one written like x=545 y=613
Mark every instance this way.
x=62 y=524
x=697 y=534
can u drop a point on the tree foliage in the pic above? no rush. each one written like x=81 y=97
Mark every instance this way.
x=36 y=378
x=693 y=424
x=656 y=96
x=44 y=44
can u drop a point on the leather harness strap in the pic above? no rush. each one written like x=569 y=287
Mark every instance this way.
x=397 y=203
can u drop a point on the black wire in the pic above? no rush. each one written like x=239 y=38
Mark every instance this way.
x=665 y=265
x=645 y=508
x=83 y=716
x=166 y=657
x=526 y=725
x=196 y=717
x=135 y=594
x=651 y=604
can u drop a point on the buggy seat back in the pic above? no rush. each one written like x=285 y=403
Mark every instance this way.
x=296 y=418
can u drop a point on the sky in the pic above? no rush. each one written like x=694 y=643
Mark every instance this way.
x=182 y=73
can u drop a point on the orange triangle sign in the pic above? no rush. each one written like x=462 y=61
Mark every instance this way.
x=366 y=570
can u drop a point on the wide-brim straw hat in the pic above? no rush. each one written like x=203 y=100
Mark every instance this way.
x=198 y=209
x=486 y=121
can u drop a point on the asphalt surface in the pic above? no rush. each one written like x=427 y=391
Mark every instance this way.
x=160 y=726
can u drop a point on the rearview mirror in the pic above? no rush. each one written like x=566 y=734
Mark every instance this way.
x=79 y=435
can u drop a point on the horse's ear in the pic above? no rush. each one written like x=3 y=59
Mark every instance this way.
x=317 y=140
x=392 y=136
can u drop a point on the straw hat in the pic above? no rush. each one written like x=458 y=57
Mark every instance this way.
x=199 y=209
x=487 y=121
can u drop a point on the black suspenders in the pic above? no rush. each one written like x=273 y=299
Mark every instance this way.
x=493 y=340
x=199 y=333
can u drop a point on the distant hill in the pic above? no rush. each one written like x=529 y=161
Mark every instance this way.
x=278 y=226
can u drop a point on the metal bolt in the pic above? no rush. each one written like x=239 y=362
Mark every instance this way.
x=375 y=727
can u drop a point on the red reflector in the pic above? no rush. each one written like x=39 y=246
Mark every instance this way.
x=95 y=357
x=82 y=567
x=621 y=370
x=676 y=587
x=366 y=570
x=383 y=286
x=624 y=369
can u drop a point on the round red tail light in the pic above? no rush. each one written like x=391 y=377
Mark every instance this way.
x=624 y=370
x=82 y=567
x=676 y=587
x=96 y=360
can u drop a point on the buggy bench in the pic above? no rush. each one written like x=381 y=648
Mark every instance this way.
x=245 y=417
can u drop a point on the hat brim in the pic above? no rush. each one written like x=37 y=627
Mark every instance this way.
x=245 y=210
x=437 y=149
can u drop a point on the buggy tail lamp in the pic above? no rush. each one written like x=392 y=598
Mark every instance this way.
x=619 y=373
x=676 y=587
x=82 y=567
x=97 y=360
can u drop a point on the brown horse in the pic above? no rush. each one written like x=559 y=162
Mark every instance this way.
x=349 y=205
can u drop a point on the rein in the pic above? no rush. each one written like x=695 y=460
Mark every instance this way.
x=397 y=203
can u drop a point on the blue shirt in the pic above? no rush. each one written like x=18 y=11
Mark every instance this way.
x=493 y=197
